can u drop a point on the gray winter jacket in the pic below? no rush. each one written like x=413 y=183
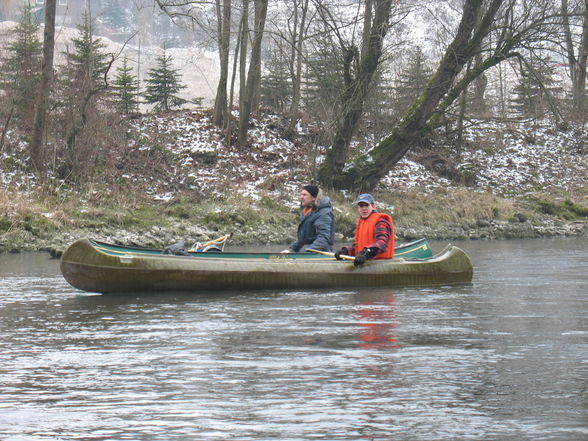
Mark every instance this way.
x=317 y=229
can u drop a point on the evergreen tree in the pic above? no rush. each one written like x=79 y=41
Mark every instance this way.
x=411 y=80
x=88 y=63
x=324 y=76
x=163 y=83
x=322 y=81
x=276 y=87
x=83 y=87
x=126 y=89
x=21 y=68
x=536 y=89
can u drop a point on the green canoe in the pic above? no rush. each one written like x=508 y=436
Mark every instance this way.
x=106 y=268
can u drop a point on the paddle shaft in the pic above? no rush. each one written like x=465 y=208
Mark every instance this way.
x=326 y=253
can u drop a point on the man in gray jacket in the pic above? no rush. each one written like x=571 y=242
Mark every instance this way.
x=317 y=222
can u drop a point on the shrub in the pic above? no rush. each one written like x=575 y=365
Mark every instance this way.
x=567 y=209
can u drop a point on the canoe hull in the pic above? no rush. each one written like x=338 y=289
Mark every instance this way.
x=89 y=269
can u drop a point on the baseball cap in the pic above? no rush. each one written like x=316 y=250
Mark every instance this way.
x=365 y=197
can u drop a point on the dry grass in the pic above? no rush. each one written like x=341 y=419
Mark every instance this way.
x=458 y=206
x=15 y=204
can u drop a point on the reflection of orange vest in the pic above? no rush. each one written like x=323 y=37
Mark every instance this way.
x=365 y=234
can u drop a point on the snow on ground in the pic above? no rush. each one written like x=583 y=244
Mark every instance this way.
x=207 y=165
x=528 y=157
x=511 y=160
x=519 y=159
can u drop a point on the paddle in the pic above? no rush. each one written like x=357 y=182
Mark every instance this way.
x=211 y=242
x=326 y=253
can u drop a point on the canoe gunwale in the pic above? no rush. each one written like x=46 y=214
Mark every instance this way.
x=410 y=247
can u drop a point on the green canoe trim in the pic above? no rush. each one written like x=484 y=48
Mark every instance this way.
x=419 y=249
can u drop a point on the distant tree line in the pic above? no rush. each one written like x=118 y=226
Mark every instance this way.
x=349 y=67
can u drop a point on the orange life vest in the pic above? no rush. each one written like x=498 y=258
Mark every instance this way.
x=365 y=234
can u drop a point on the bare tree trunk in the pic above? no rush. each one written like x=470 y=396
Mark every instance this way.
x=36 y=147
x=224 y=38
x=356 y=87
x=245 y=111
x=568 y=40
x=256 y=94
x=367 y=23
x=580 y=77
x=296 y=59
x=577 y=63
x=460 y=120
x=479 y=106
x=228 y=124
x=6 y=125
x=243 y=59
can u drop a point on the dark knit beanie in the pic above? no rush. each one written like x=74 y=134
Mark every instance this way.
x=312 y=189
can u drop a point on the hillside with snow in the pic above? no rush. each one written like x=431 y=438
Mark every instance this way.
x=504 y=160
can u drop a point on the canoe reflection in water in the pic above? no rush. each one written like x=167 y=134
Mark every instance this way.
x=377 y=320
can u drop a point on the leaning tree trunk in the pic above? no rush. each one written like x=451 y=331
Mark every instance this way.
x=366 y=174
x=356 y=88
x=36 y=147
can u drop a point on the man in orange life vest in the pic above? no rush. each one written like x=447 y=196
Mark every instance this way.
x=374 y=234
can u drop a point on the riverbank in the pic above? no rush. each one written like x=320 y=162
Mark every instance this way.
x=159 y=225
x=177 y=180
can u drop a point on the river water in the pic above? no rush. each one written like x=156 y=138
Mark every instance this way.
x=505 y=358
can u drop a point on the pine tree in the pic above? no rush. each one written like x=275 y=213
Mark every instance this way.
x=21 y=69
x=126 y=89
x=163 y=83
x=411 y=80
x=536 y=89
x=84 y=87
x=276 y=87
x=324 y=76
x=88 y=63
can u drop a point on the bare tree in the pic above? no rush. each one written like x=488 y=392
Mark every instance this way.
x=243 y=43
x=576 y=60
x=36 y=146
x=288 y=33
x=359 y=67
x=513 y=25
x=223 y=11
x=194 y=10
x=298 y=34
x=254 y=73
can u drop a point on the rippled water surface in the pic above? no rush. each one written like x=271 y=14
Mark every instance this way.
x=504 y=358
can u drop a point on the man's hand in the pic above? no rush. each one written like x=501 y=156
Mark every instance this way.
x=365 y=254
x=361 y=258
